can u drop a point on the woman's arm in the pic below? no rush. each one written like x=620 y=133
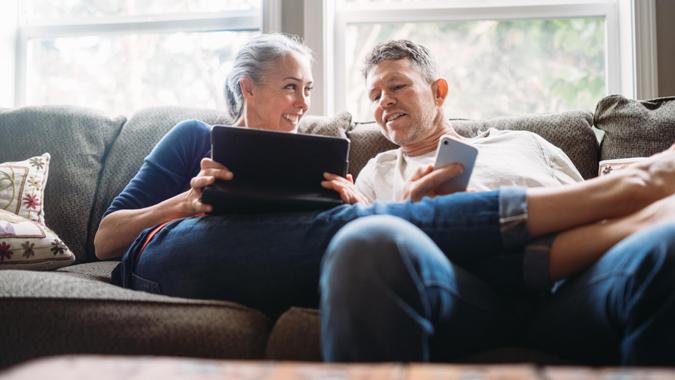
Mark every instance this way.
x=120 y=228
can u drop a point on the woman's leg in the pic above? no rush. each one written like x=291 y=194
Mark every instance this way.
x=272 y=262
x=576 y=249
x=621 y=309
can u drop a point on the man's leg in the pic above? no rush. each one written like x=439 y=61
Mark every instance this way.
x=390 y=294
x=621 y=309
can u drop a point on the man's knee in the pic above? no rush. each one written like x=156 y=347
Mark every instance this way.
x=366 y=255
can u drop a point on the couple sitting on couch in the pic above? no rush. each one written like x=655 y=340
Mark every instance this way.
x=429 y=276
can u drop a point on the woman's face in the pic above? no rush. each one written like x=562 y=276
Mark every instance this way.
x=282 y=97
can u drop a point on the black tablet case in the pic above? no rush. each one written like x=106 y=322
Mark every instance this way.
x=274 y=171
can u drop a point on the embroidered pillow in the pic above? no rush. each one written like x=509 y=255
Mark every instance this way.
x=26 y=244
x=22 y=187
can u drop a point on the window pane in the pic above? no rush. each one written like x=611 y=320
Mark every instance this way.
x=497 y=68
x=42 y=10
x=124 y=73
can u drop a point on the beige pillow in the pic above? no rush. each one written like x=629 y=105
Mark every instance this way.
x=22 y=187
x=26 y=244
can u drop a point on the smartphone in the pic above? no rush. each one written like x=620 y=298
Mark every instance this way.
x=452 y=151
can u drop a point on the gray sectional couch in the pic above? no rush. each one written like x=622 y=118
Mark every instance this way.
x=76 y=310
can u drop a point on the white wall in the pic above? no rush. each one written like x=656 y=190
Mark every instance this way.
x=8 y=23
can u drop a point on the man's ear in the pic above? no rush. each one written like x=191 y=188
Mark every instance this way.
x=440 y=89
x=246 y=86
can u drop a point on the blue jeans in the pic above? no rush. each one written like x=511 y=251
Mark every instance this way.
x=272 y=262
x=389 y=293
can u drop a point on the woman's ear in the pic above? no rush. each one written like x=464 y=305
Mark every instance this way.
x=246 y=86
x=440 y=89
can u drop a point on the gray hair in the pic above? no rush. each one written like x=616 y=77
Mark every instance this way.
x=400 y=49
x=253 y=60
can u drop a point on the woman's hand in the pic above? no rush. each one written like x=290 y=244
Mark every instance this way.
x=345 y=187
x=426 y=181
x=209 y=173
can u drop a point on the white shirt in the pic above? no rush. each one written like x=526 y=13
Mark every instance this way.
x=505 y=158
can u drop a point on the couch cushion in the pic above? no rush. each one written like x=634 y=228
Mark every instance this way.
x=570 y=131
x=144 y=129
x=77 y=139
x=296 y=336
x=48 y=313
x=635 y=128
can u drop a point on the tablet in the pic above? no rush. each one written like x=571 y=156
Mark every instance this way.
x=274 y=171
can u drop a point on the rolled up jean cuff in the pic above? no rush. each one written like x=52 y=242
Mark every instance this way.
x=513 y=217
x=535 y=262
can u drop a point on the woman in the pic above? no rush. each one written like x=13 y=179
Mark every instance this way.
x=272 y=262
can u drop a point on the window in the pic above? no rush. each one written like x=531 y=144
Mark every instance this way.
x=124 y=55
x=500 y=57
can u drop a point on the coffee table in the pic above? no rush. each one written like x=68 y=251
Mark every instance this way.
x=169 y=368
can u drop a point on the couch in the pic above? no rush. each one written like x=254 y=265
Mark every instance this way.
x=75 y=309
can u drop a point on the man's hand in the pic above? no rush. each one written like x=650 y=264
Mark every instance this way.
x=345 y=187
x=426 y=181
x=209 y=173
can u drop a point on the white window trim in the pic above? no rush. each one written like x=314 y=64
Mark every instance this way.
x=631 y=71
x=8 y=25
x=639 y=49
x=318 y=36
x=269 y=18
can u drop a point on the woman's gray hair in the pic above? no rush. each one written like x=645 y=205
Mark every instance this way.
x=400 y=49
x=253 y=60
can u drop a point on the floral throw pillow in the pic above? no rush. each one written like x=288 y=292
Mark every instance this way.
x=26 y=244
x=22 y=187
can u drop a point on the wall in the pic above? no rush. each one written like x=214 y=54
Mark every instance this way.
x=665 y=37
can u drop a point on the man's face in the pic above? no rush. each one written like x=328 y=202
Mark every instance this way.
x=403 y=101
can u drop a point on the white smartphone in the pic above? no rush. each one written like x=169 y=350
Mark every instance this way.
x=452 y=151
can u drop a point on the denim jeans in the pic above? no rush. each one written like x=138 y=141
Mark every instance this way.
x=272 y=262
x=389 y=293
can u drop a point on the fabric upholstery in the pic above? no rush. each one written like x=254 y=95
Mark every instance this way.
x=26 y=244
x=47 y=313
x=78 y=140
x=635 y=128
x=570 y=131
x=295 y=336
x=328 y=126
x=22 y=187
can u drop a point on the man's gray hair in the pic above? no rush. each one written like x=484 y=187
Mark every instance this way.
x=253 y=60
x=400 y=49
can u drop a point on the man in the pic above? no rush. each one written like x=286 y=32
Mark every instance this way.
x=390 y=294
x=407 y=96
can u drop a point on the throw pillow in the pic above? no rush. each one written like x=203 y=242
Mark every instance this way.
x=22 y=187
x=26 y=244
x=635 y=128
x=327 y=126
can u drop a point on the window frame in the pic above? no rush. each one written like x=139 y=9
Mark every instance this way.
x=630 y=35
x=266 y=20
